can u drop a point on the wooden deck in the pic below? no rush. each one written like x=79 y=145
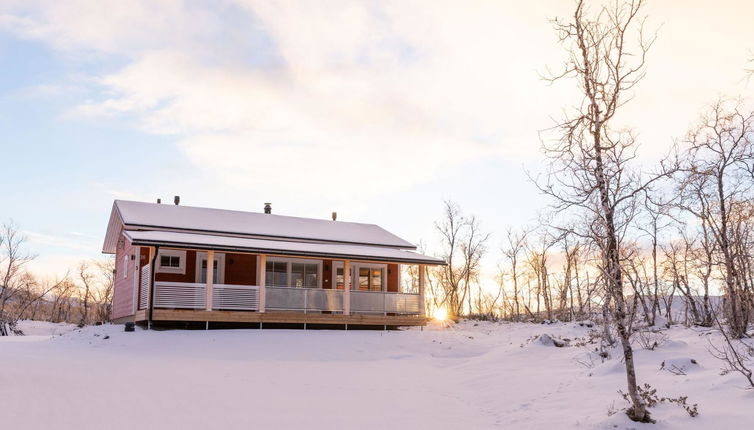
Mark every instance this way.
x=280 y=317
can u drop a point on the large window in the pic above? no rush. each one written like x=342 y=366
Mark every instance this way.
x=294 y=273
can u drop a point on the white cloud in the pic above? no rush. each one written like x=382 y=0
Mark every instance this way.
x=374 y=96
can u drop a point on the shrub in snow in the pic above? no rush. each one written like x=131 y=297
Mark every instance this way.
x=649 y=339
x=679 y=366
x=651 y=399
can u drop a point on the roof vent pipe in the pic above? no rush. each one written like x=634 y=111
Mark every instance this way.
x=268 y=208
x=334 y=216
x=159 y=201
x=177 y=200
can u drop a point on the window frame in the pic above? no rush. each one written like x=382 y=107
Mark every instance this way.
x=288 y=272
x=180 y=270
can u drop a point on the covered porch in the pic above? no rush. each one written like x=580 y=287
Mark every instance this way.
x=276 y=288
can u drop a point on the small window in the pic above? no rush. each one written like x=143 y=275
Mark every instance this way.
x=125 y=266
x=171 y=261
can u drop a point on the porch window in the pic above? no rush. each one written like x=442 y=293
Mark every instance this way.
x=304 y=275
x=171 y=261
x=364 y=276
x=276 y=274
x=370 y=279
x=295 y=273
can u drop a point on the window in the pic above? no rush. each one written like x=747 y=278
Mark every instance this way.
x=370 y=279
x=364 y=276
x=296 y=273
x=276 y=274
x=125 y=266
x=171 y=261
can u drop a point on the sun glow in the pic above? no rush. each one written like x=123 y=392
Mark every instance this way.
x=440 y=314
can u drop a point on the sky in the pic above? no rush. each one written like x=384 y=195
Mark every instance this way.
x=378 y=110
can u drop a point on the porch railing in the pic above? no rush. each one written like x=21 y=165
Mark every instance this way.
x=144 y=287
x=235 y=297
x=371 y=302
x=304 y=299
x=186 y=295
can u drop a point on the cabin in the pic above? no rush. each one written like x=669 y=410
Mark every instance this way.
x=215 y=267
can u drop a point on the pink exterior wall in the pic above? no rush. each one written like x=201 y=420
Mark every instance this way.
x=123 y=292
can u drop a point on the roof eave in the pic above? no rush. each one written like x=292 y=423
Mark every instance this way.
x=260 y=250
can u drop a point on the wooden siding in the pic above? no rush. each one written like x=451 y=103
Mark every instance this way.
x=393 y=270
x=327 y=274
x=123 y=288
x=240 y=269
x=188 y=276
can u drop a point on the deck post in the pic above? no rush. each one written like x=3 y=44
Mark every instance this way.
x=210 y=280
x=422 y=276
x=346 y=287
x=261 y=282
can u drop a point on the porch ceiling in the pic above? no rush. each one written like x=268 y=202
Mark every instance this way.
x=278 y=247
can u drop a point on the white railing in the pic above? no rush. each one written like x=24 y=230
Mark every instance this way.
x=235 y=297
x=144 y=288
x=179 y=295
x=400 y=303
x=304 y=299
x=185 y=295
x=376 y=302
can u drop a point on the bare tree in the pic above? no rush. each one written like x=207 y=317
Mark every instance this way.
x=463 y=246
x=589 y=170
x=715 y=186
x=14 y=280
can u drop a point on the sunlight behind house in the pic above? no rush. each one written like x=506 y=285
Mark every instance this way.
x=440 y=314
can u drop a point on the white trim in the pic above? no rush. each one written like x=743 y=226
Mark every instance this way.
x=219 y=257
x=181 y=269
x=288 y=262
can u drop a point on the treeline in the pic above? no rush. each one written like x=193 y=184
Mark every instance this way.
x=82 y=296
x=684 y=242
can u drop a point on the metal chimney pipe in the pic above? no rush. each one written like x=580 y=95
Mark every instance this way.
x=159 y=201
x=177 y=200
x=334 y=216
x=268 y=208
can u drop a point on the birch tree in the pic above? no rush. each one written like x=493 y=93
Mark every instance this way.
x=589 y=164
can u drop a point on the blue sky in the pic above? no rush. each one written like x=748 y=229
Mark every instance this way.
x=377 y=110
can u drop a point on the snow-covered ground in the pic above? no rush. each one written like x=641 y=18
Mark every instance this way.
x=471 y=375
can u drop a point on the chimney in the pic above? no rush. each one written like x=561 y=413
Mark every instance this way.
x=177 y=200
x=334 y=216
x=159 y=201
x=268 y=208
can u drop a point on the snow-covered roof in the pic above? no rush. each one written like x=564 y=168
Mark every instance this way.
x=153 y=216
x=277 y=247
